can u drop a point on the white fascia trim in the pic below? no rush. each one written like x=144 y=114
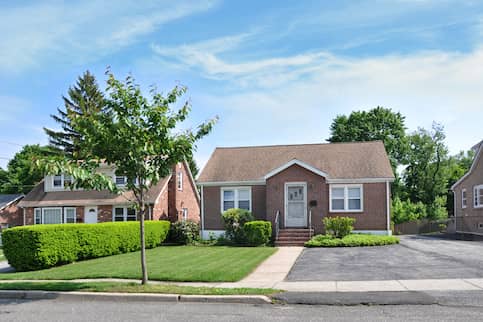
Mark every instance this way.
x=162 y=189
x=216 y=233
x=192 y=179
x=299 y=163
x=361 y=180
x=232 y=183
x=473 y=166
x=373 y=232
x=11 y=202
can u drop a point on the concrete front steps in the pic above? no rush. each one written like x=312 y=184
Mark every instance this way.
x=293 y=236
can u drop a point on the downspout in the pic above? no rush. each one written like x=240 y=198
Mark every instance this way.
x=24 y=217
x=388 y=209
x=202 y=213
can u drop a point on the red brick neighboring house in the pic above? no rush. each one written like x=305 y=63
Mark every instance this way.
x=10 y=213
x=295 y=186
x=173 y=198
x=468 y=197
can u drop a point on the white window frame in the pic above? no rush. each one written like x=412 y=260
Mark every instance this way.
x=235 y=196
x=65 y=214
x=124 y=213
x=37 y=212
x=62 y=181
x=52 y=208
x=346 y=197
x=179 y=182
x=120 y=184
x=477 y=202
x=464 y=198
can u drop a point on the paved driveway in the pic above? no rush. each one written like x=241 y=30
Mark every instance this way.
x=416 y=257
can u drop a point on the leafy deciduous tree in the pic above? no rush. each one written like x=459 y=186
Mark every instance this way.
x=136 y=136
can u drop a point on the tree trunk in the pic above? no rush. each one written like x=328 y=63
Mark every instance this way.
x=144 y=267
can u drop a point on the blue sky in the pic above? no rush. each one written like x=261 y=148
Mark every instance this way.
x=275 y=72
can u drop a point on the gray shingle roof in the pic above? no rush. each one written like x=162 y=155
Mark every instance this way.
x=7 y=198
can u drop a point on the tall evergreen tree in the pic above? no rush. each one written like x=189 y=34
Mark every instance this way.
x=84 y=98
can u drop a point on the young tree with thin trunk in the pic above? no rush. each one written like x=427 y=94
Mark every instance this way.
x=137 y=135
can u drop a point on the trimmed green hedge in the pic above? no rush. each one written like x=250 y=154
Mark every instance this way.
x=42 y=246
x=353 y=240
x=258 y=232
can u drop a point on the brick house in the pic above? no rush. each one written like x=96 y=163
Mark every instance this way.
x=468 y=197
x=10 y=212
x=173 y=198
x=295 y=186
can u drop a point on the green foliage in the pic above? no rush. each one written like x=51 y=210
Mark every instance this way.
x=403 y=211
x=83 y=99
x=426 y=175
x=258 y=232
x=234 y=219
x=22 y=175
x=42 y=246
x=338 y=227
x=184 y=232
x=352 y=240
x=376 y=124
x=437 y=210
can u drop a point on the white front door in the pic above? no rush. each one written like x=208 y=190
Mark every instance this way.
x=90 y=215
x=295 y=204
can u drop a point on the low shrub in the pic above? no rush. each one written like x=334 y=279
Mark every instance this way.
x=339 y=227
x=184 y=232
x=42 y=246
x=234 y=219
x=352 y=240
x=258 y=232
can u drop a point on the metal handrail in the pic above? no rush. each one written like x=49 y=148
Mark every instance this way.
x=277 y=225
x=310 y=222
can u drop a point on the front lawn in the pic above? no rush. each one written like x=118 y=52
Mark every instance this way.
x=352 y=240
x=168 y=263
x=2 y=257
x=113 y=287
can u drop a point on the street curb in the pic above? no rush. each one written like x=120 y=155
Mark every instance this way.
x=357 y=298
x=131 y=297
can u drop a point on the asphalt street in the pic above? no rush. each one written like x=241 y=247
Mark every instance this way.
x=416 y=257
x=66 y=310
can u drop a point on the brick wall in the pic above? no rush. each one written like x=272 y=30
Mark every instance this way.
x=266 y=200
x=212 y=206
x=184 y=198
x=468 y=219
x=160 y=208
x=12 y=215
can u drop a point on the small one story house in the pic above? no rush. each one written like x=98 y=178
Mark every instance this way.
x=10 y=212
x=468 y=197
x=173 y=198
x=295 y=186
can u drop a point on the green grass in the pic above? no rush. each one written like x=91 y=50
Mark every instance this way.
x=2 y=257
x=353 y=240
x=168 y=263
x=133 y=288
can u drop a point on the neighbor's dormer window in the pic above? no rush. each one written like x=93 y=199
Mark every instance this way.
x=121 y=180
x=61 y=181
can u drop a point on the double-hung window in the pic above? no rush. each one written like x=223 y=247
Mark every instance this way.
x=478 y=196
x=346 y=198
x=464 y=200
x=124 y=214
x=61 y=181
x=236 y=198
x=120 y=180
x=55 y=215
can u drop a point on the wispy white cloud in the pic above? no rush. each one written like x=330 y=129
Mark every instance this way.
x=75 y=31
x=424 y=86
